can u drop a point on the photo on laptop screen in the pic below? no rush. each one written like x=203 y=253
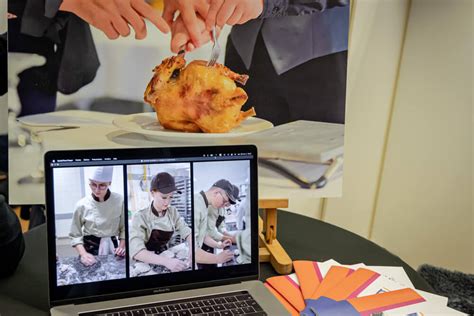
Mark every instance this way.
x=159 y=212
x=90 y=224
x=221 y=213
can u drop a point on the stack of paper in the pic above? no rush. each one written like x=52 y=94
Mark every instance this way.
x=330 y=288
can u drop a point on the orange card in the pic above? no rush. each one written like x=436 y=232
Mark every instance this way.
x=282 y=300
x=335 y=275
x=288 y=288
x=380 y=302
x=309 y=276
x=352 y=285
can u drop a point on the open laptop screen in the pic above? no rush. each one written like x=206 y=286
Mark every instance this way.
x=140 y=221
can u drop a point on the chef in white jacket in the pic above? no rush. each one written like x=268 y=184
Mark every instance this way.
x=98 y=220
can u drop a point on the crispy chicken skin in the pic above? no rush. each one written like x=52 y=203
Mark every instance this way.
x=197 y=98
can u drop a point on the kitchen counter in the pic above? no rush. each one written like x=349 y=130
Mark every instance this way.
x=70 y=270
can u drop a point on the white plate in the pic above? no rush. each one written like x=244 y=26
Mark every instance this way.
x=147 y=124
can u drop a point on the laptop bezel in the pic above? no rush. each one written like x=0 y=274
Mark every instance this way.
x=129 y=287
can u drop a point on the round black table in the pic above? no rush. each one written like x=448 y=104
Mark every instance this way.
x=302 y=237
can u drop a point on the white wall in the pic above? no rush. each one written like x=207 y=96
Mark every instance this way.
x=408 y=151
x=424 y=211
x=377 y=29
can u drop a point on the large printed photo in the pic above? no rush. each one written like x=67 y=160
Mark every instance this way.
x=274 y=76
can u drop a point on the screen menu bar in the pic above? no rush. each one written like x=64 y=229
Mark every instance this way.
x=76 y=162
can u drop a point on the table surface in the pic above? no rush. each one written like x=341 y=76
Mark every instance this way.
x=315 y=240
x=96 y=130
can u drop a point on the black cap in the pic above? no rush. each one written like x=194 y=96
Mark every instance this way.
x=236 y=192
x=231 y=190
x=164 y=182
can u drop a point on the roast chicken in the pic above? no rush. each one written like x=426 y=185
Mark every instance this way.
x=197 y=98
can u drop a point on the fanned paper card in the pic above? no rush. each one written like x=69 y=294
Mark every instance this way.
x=293 y=311
x=335 y=275
x=331 y=289
x=309 y=276
x=289 y=289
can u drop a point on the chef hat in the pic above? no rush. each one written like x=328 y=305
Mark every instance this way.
x=103 y=174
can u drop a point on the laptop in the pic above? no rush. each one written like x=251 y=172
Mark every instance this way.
x=126 y=237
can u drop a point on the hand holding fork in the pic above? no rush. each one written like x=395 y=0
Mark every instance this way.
x=216 y=49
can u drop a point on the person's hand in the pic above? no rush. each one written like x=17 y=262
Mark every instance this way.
x=190 y=10
x=120 y=250
x=180 y=37
x=175 y=265
x=88 y=259
x=231 y=12
x=225 y=243
x=114 y=16
x=231 y=238
x=225 y=256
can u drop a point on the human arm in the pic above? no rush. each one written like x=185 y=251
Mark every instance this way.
x=175 y=265
x=213 y=230
x=231 y=12
x=180 y=37
x=216 y=244
x=180 y=224
x=113 y=16
x=210 y=258
x=86 y=258
x=76 y=235
x=139 y=234
x=189 y=10
x=120 y=250
x=48 y=17
x=75 y=231
x=227 y=236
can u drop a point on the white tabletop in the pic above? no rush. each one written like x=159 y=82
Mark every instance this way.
x=100 y=133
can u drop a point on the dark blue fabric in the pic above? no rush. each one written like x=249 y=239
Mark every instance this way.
x=63 y=38
x=12 y=244
x=307 y=29
x=276 y=8
x=314 y=90
x=33 y=99
x=327 y=307
x=4 y=153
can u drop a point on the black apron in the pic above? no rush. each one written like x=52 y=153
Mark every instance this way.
x=208 y=249
x=91 y=243
x=219 y=220
x=158 y=241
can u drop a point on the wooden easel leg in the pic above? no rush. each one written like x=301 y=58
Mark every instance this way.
x=270 y=249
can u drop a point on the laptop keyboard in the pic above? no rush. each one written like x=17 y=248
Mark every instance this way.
x=229 y=304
